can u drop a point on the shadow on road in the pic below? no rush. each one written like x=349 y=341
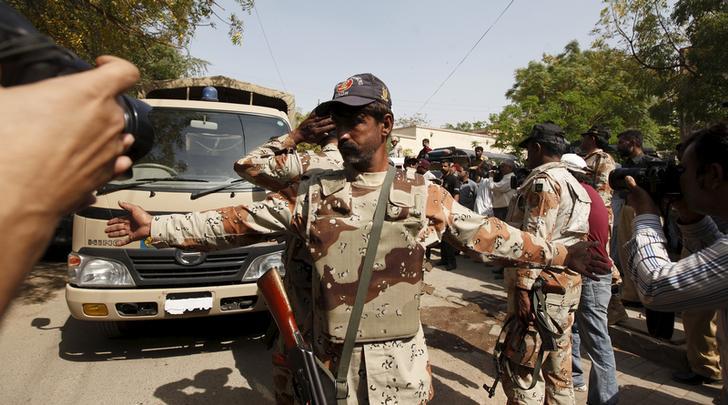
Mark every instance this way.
x=492 y=305
x=631 y=393
x=208 y=387
x=638 y=367
x=447 y=395
x=84 y=341
x=43 y=283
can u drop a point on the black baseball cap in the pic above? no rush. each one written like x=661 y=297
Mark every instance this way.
x=600 y=133
x=548 y=132
x=357 y=91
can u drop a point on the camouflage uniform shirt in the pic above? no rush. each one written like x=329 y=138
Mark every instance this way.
x=601 y=164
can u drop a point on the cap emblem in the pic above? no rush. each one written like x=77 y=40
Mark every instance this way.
x=342 y=87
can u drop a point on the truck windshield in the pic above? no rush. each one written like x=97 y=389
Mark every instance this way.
x=201 y=146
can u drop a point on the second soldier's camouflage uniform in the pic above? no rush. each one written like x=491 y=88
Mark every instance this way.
x=331 y=214
x=274 y=166
x=552 y=205
x=601 y=164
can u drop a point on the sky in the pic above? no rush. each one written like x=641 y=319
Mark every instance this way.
x=411 y=45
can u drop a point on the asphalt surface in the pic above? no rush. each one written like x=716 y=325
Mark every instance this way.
x=48 y=357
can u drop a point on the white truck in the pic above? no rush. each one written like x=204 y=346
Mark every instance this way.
x=190 y=168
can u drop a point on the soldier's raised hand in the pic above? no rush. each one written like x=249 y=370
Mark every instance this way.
x=581 y=259
x=312 y=129
x=136 y=226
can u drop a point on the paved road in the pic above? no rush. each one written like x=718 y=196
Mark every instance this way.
x=46 y=356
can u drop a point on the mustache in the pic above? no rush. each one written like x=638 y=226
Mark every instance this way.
x=348 y=147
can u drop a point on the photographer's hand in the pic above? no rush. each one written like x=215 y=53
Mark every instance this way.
x=62 y=137
x=312 y=129
x=639 y=199
x=61 y=140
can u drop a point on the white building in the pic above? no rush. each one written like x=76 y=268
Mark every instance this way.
x=411 y=139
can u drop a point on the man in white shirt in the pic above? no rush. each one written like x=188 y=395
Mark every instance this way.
x=483 y=194
x=423 y=168
x=396 y=151
x=502 y=191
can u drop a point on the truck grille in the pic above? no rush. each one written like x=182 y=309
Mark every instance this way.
x=216 y=264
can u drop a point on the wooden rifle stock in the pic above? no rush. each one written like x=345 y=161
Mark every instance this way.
x=271 y=287
x=313 y=384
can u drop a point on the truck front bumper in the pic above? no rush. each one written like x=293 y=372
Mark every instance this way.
x=144 y=304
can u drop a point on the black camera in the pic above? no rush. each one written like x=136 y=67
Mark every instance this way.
x=659 y=178
x=27 y=56
x=519 y=176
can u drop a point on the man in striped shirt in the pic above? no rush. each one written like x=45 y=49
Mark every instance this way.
x=701 y=279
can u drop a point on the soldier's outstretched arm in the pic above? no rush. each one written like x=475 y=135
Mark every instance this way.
x=492 y=239
x=275 y=165
x=209 y=230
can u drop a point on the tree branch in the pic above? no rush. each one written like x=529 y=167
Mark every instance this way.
x=631 y=43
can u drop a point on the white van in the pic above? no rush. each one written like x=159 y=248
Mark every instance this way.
x=190 y=168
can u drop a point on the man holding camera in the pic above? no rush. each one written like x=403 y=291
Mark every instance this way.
x=698 y=281
x=659 y=324
x=551 y=204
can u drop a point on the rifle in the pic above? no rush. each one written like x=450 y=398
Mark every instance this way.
x=546 y=327
x=313 y=383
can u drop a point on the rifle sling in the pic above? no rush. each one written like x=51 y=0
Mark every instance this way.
x=539 y=307
x=342 y=389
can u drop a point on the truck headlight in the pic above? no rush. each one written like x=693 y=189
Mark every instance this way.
x=85 y=271
x=263 y=263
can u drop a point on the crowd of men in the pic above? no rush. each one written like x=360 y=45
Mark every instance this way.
x=552 y=242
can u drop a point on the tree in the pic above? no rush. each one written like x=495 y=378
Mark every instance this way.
x=682 y=46
x=152 y=34
x=466 y=126
x=417 y=119
x=576 y=89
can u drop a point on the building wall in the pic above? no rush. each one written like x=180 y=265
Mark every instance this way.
x=411 y=138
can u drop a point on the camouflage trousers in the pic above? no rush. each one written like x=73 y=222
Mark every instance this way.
x=390 y=372
x=554 y=384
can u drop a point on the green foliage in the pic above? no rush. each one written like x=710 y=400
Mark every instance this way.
x=466 y=126
x=417 y=119
x=575 y=89
x=299 y=116
x=151 y=34
x=682 y=47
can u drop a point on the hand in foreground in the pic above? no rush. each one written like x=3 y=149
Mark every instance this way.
x=66 y=133
x=137 y=226
x=312 y=129
x=580 y=259
x=639 y=199
x=523 y=306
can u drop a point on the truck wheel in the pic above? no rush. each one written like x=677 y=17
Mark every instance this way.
x=113 y=329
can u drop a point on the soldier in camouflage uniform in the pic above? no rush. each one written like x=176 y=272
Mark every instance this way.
x=331 y=213
x=552 y=205
x=275 y=165
x=601 y=163
x=593 y=144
